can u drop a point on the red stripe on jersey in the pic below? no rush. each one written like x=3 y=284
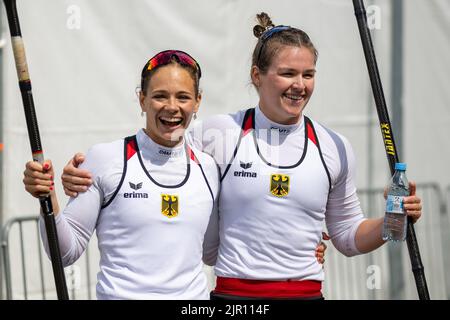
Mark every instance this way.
x=248 y=125
x=311 y=134
x=131 y=148
x=192 y=155
x=268 y=289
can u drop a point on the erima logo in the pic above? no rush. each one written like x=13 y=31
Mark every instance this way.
x=246 y=165
x=135 y=186
x=165 y=152
x=133 y=194
x=243 y=173
x=281 y=130
x=169 y=153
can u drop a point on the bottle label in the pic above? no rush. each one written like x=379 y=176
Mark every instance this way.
x=394 y=204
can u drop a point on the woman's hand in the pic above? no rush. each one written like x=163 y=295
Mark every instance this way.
x=321 y=248
x=38 y=178
x=413 y=204
x=75 y=180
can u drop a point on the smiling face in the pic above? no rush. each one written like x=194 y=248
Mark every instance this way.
x=169 y=102
x=287 y=85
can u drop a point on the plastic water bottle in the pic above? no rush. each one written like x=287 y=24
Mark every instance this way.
x=395 y=219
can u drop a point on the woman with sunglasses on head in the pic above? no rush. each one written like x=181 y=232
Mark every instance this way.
x=283 y=177
x=150 y=232
x=151 y=196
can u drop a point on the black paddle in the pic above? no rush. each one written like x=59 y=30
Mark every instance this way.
x=36 y=147
x=388 y=138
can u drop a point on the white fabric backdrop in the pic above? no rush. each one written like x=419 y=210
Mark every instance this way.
x=84 y=79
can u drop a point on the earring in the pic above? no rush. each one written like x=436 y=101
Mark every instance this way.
x=195 y=115
x=142 y=113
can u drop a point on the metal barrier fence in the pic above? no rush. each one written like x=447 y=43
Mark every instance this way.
x=386 y=272
x=383 y=274
x=27 y=271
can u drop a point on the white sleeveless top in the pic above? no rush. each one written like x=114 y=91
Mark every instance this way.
x=150 y=207
x=273 y=207
x=170 y=220
x=278 y=198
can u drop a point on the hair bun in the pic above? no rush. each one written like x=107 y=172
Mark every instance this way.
x=258 y=31
x=264 y=23
x=264 y=20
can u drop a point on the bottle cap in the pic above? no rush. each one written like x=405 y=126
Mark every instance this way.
x=400 y=166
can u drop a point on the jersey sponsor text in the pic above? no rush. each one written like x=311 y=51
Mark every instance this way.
x=135 y=195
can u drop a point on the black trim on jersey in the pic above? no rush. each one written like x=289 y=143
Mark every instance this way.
x=192 y=154
x=251 y=113
x=320 y=152
x=305 y=148
x=248 y=113
x=188 y=169
x=207 y=182
x=124 y=171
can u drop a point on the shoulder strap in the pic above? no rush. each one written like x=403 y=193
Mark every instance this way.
x=248 y=123
x=130 y=149
x=312 y=135
x=193 y=157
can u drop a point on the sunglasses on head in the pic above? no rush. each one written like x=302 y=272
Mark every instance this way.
x=166 y=57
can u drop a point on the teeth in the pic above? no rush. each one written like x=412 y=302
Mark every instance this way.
x=293 y=97
x=171 y=119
